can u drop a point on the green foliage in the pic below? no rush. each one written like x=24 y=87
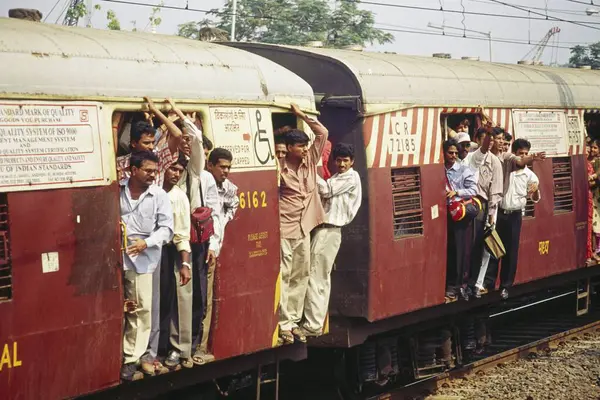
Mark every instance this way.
x=155 y=20
x=585 y=55
x=202 y=30
x=295 y=22
x=79 y=11
x=113 y=22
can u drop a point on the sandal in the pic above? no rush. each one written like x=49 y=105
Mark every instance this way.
x=287 y=337
x=201 y=358
x=187 y=363
x=299 y=335
x=172 y=359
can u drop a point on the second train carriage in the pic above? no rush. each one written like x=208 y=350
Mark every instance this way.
x=396 y=110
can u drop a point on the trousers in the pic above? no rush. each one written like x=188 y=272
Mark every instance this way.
x=199 y=298
x=176 y=305
x=152 y=351
x=210 y=281
x=295 y=269
x=324 y=246
x=509 y=230
x=137 y=325
x=458 y=240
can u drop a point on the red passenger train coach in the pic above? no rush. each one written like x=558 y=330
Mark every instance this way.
x=61 y=296
x=396 y=109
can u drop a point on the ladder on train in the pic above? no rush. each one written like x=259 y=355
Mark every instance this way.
x=583 y=297
x=260 y=381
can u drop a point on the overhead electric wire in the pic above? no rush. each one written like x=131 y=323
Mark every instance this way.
x=52 y=9
x=557 y=10
x=591 y=3
x=411 y=30
x=579 y=23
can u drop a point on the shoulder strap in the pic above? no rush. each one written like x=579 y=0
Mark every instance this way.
x=200 y=186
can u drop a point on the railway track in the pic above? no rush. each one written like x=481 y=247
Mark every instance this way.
x=524 y=338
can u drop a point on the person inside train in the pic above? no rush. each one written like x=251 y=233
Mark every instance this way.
x=341 y=196
x=462 y=126
x=147 y=215
x=461 y=184
x=219 y=165
x=593 y=168
x=507 y=140
x=520 y=182
x=207 y=145
x=143 y=138
x=594 y=161
x=176 y=273
x=280 y=152
x=489 y=191
x=300 y=211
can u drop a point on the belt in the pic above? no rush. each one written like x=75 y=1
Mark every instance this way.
x=509 y=212
x=325 y=225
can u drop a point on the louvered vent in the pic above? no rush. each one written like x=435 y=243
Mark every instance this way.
x=5 y=262
x=563 y=186
x=408 y=207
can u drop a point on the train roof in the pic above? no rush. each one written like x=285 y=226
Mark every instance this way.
x=390 y=80
x=52 y=60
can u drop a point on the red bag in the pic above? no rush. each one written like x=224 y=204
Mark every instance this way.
x=201 y=220
x=202 y=227
x=461 y=208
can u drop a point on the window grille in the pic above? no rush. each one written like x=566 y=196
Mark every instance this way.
x=563 y=186
x=530 y=206
x=406 y=197
x=5 y=261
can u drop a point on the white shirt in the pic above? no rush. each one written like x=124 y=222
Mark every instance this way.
x=515 y=197
x=342 y=197
x=181 y=219
x=149 y=218
x=475 y=160
x=228 y=205
x=210 y=196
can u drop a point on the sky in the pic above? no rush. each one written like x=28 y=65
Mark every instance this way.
x=397 y=19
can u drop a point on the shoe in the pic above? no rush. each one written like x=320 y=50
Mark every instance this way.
x=172 y=359
x=504 y=294
x=159 y=369
x=129 y=372
x=464 y=294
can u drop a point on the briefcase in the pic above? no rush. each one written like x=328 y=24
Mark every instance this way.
x=493 y=244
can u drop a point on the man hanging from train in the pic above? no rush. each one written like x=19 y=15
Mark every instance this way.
x=143 y=138
x=201 y=189
x=219 y=165
x=461 y=188
x=147 y=215
x=519 y=183
x=488 y=173
x=176 y=273
x=342 y=196
x=300 y=211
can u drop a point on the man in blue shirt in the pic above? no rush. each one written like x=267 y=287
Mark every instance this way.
x=147 y=216
x=461 y=183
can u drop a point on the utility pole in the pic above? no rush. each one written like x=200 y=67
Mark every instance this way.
x=233 y=18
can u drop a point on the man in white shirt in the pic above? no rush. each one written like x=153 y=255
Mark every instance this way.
x=148 y=218
x=201 y=189
x=219 y=165
x=342 y=197
x=521 y=183
x=176 y=273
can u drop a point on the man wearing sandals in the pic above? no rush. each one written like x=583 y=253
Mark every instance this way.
x=147 y=215
x=300 y=212
x=176 y=291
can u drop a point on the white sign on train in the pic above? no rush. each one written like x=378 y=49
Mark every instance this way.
x=247 y=133
x=574 y=130
x=545 y=129
x=50 y=145
x=401 y=141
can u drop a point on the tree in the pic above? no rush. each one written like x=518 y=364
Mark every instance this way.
x=585 y=55
x=296 y=22
x=113 y=22
x=202 y=30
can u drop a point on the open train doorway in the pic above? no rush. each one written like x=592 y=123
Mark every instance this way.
x=591 y=119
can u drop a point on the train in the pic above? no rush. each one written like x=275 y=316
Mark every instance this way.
x=61 y=293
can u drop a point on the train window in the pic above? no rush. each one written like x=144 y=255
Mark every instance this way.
x=5 y=260
x=452 y=123
x=529 y=206
x=563 y=186
x=407 y=202
x=283 y=122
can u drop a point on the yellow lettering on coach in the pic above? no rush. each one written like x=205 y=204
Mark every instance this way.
x=9 y=360
x=544 y=247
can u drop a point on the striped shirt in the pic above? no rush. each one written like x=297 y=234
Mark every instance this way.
x=165 y=160
x=342 y=197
